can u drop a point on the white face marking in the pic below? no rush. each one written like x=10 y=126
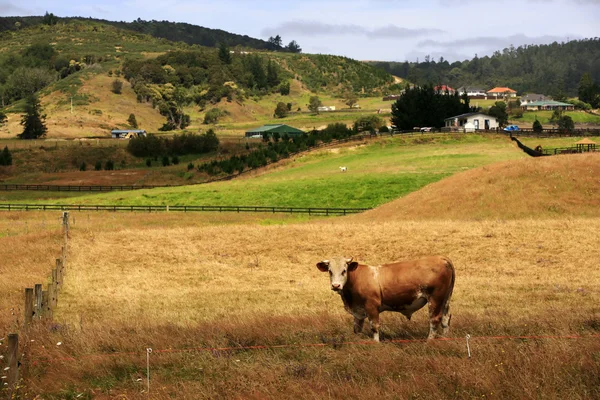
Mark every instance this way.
x=338 y=273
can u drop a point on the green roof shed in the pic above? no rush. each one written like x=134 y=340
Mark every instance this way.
x=272 y=128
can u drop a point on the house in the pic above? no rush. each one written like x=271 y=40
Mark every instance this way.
x=326 y=108
x=444 y=89
x=127 y=133
x=272 y=128
x=531 y=97
x=550 y=105
x=471 y=122
x=392 y=97
x=472 y=92
x=501 y=92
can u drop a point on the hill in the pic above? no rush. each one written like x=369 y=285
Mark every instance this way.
x=172 y=31
x=547 y=187
x=79 y=60
x=551 y=69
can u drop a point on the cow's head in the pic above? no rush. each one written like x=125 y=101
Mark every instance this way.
x=338 y=271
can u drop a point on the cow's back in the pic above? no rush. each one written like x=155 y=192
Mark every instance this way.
x=402 y=282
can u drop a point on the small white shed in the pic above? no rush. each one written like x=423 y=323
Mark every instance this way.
x=471 y=122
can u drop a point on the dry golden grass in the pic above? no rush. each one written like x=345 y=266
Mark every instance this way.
x=133 y=283
x=566 y=185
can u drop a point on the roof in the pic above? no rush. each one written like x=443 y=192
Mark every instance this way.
x=471 y=89
x=468 y=115
x=533 y=96
x=271 y=128
x=443 y=88
x=548 y=103
x=127 y=131
x=586 y=141
x=501 y=90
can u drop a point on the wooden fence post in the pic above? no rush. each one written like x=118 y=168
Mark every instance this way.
x=13 y=363
x=59 y=274
x=28 y=306
x=37 y=294
x=66 y=225
x=46 y=311
x=52 y=291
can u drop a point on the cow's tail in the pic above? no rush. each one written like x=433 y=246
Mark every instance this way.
x=446 y=316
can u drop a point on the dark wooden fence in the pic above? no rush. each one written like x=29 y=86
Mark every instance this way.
x=191 y=208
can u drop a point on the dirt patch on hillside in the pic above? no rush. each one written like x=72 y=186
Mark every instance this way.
x=566 y=185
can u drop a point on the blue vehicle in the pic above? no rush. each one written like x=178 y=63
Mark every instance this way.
x=512 y=128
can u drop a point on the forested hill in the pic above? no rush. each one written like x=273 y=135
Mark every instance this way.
x=547 y=69
x=173 y=31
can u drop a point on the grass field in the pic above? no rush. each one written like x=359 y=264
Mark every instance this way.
x=177 y=282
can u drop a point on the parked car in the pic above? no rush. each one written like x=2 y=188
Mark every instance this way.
x=511 y=128
x=425 y=129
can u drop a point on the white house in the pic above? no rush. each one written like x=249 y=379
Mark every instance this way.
x=471 y=122
x=326 y=108
x=471 y=91
x=532 y=97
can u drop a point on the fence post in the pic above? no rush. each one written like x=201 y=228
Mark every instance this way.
x=46 y=311
x=13 y=363
x=66 y=224
x=28 y=306
x=37 y=295
x=52 y=291
x=59 y=274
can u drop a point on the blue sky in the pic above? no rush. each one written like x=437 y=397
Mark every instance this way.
x=389 y=30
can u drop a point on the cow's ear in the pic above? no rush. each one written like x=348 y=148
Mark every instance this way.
x=323 y=266
x=352 y=265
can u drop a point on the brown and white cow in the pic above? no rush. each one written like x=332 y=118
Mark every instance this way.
x=404 y=287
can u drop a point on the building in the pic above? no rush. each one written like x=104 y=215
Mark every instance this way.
x=272 y=128
x=548 y=105
x=127 y=133
x=444 y=89
x=472 y=92
x=326 y=108
x=531 y=97
x=501 y=92
x=471 y=122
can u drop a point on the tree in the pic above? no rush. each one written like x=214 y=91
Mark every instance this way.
x=117 y=86
x=589 y=91
x=561 y=121
x=314 y=103
x=369 y=123
x=3 y=118
x=281 y=111
x=33 y=120
x=5 y=157
x=498 y=110
x=50 y=19
x=351 y=99
x=537 y=126
x=132 y=121
x=284 y=88
x=275 y=42
x=224 y=54
x=294 y=47
x=272 y=76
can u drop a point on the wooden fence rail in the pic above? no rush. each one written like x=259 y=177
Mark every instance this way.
x=239 y=209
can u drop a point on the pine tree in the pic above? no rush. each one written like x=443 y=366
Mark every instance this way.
x=33 y=121
x=224 y=54
x=132 y=121
x=5 y=157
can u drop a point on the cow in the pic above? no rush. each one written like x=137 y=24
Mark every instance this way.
x=404 y=287
x=343 y=169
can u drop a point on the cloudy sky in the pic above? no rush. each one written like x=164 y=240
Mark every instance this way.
x=391 y=30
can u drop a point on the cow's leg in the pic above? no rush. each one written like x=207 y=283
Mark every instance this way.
x=358 y=324
x=446 y=316
x=373 y=314
x=435 y=316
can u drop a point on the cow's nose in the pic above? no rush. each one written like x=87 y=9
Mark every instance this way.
x=335 y=286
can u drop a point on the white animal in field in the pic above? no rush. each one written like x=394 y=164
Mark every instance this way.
x=343 y=169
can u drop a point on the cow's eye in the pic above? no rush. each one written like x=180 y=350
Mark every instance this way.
x=344 y=272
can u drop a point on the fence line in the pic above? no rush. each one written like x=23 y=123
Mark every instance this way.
x=38 y=306
x=192 y=208
x=332 y=343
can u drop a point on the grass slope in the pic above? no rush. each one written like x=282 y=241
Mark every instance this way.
x=378 y=172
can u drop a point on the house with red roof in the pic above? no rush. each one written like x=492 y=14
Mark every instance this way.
x=444 y=88
x=502 y=92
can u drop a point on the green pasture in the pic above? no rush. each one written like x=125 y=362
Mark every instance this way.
x=378 y=172
x=579 y=117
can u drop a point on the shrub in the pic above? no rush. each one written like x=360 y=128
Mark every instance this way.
x=213 y=115
x=98 y=166
x=83 y=166
x=384 y=129
x=190 y=166
x=165 y=161
x=281 y=111
x=368 y=123
x=175 y=160
x=117 y=86
x=5 y=157
x=109 y=165
x=132 y=121
x=148 y=162
x=537 y=126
